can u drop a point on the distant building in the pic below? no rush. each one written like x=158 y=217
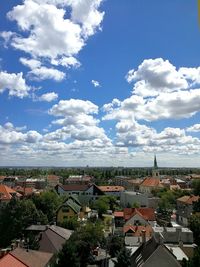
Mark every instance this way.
x=112 y=190
x=52 y=180
x=7 y=193
x=78 y=179
x=185 y=208
x=150 y=184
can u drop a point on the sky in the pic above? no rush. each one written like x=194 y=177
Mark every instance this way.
x=99 y=83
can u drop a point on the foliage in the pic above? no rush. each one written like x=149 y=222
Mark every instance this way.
x=123 y=258
x=48 y=202
x=196 y=187
x=71 y=223
x=105 y=203
x=194 y=261
x=77 y=251
x=196 y=206
x=114 y=245
x=15 y=217
x=194 y=225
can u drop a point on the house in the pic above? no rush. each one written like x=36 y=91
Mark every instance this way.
x=135 y=216
x=24 y=191
x=52 y=180
x=10 y=181
x=112 y=190
x=78 y=179
x=136 y=230
x=7 y=193
x=86 y=191
x=72 y=208
x=50 y=237
x=153 y=254
x=149 y=184
x=21 y=257
x=185 y=208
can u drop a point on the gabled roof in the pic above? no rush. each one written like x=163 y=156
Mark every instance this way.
x=137 y=230
x=151 y=182
x=147 y=213
x=74 y=187
x=10 y=261
x=188 y=199
x=6 y=193
x=32 y=258
x=147 y=249
x=111 y=188
x=73 y=205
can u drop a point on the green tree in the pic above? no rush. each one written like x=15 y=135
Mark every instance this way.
x=123 y=258
x=71 y=223
x=48 y=202
x=194 y=225
x=114 y=245
x=15 y=217
x=196 y=186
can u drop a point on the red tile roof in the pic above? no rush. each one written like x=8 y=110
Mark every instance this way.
x=27 y=190
x=111 y=188
x=137 y=230
x=188 y=199
x=151 y=182
x=6 y=193
x=53 y=177
x=119 y=214
x=10 y=261
x=146 y=213
x=74 y=187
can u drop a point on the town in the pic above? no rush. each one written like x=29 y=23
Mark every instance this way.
x=78 y=219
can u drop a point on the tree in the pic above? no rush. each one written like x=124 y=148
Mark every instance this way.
x=194 y=225
x=123 y=258
x=115 y=244
x=15 y=217
x=71 y=223
x=196 y=186
x=48 y=202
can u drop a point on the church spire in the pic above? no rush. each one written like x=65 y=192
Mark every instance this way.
x=155 y=162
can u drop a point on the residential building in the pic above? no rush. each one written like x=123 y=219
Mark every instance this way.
x=185 y=208
x=52 y=180
x=112 y=190
x=50 y=237
x=153 y=254
x=7 y=193
x=78 y=179
x=21 y=257
x=150 y=184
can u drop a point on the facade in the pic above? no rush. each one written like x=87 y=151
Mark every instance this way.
x=185 y=208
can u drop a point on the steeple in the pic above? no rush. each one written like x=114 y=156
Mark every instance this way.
x=155 y=162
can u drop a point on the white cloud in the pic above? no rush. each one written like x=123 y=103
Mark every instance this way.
x=39 y=72
x=48 y=97
x=192 y=74
x=73 y=107
x=156 y=76
x=49 y=33
x=14 y=83
x=194 y=128
x=95 y=83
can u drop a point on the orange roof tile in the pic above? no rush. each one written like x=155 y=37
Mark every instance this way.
x=150 y=181
x=6 y=193
x=111 y=188
x=188 y=199
x=137 y=230
x=146 y=213
x=53 y=177
x=119 y=214
x=10 y=261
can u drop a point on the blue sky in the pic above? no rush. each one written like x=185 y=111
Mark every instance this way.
x=99 y=83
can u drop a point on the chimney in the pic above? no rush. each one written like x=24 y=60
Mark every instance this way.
x=143 y=236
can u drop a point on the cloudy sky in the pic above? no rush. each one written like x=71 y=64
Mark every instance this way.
x=99 y=83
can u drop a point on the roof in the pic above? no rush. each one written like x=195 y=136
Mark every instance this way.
x=22 y=190
x=119 y=214
x=111 y=188
x=147 y=249
x=32 y=258
x=53 y=238
x=137 y=230
x=151 y=182
x=52 y=178
x=10 y=261
x=146 y=213
x=188 y=199
x=74 y=187
x=73 y=205
x=6 y=193
x=35 y=227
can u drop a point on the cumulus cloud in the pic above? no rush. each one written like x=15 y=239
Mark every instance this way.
x=49 y=33
x=39 y=72
x=95 y=83
x=156 y=76
x=194 y=128
x=14 y=83
x=48 y=97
